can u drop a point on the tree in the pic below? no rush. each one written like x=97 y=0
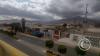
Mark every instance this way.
x=57 y=27
x=62 y=49
x=23 y=24
x=80 y=25
x=79 y=51
x=12 y=26
x=15 y=27
x=49 y=44
x=64 y=27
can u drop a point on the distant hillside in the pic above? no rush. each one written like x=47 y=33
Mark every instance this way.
x=75 y=20
x=8 y=21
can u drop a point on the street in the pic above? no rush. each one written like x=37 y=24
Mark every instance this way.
x=34 y=46
x=19 y=46
x=41 y=43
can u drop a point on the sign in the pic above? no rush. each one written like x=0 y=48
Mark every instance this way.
x=56 y=35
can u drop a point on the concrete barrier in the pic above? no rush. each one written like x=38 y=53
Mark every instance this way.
x=1 y=51
x=8 y=50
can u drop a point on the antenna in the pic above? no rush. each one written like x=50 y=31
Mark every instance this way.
x=86 y=13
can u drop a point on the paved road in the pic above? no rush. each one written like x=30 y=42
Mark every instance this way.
x=39 y=42
x=36 y=48
x=32 y=40
x=19 y=46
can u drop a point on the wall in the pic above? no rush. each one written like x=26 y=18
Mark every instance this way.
x=8 y=50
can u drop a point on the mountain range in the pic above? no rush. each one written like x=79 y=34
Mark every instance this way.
x=68 y=20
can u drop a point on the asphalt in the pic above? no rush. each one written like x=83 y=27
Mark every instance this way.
x=32 y=40
x=19 y=46
x=30 y=44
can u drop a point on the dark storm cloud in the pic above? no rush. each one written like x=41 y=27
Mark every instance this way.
x=61 y=8
x=65 y=13
x=71 y=8
x=11 y=11
x=96 y=7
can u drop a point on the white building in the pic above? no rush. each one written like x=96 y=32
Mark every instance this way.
x=95 y=41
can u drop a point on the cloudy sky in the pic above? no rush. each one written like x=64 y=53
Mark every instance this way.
x=47 y=10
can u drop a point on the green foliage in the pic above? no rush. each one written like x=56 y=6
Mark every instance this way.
x=49 y=43
x=62 y=49
x=15 y=26
x=64 y=25
x=11 y=34
x=14 y=37
x=79 y=51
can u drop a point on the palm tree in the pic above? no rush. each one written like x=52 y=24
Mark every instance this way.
x=23 y=24
x=12 y=26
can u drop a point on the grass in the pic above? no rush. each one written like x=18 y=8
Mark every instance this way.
x=11 y=34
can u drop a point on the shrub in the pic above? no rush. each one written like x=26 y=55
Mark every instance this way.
x=79 y=51
x=49 y=43
x=62 y=49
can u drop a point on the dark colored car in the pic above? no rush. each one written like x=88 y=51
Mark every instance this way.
x=37 y=34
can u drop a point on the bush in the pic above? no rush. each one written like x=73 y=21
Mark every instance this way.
x=1 y=30
x=11 y=34
x=79 y=51
x=62 y=49
x=49 y=43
